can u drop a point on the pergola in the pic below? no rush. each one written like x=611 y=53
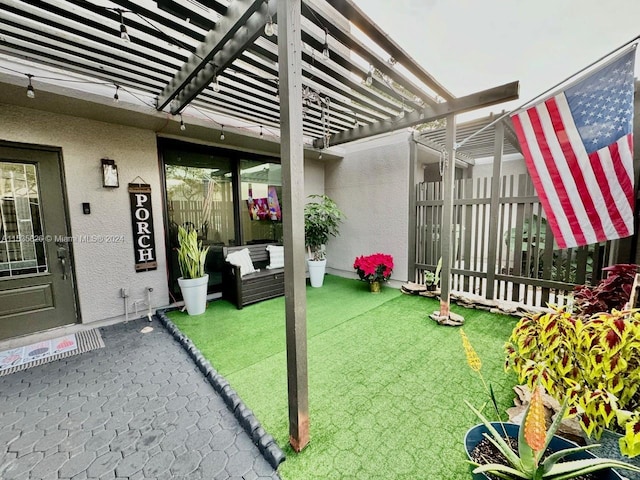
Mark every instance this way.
x=320 y=72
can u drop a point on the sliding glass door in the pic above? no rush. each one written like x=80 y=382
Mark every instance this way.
x=228 y=197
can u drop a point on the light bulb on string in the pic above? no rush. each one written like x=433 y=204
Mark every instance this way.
x=124 y=35
x=221 y=132
x=269 y=28
x=369 y=81
x=402 y=111
x=325 y=51
x=116 y=97
x=261 y=131
x=31 y=93
x=216 y=84
x=183 y=127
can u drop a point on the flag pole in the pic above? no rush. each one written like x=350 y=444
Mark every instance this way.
x=491 y=124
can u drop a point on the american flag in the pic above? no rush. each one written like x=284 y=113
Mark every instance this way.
x=578 y=146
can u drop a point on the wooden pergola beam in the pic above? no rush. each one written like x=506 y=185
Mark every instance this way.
x=235 y=31
x=373 y=31
x=484 y=98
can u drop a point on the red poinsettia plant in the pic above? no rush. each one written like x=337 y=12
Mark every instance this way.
x=374 y=268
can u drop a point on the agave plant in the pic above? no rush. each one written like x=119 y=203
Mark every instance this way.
x=191 y=254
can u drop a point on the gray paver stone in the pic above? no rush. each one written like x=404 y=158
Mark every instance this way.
x=186 y=463
x=100 y=441
x=223 y=440
x=198 y=440
x=125 y=440
x=50 y=440
x=132 y=464
x=10 y=418
x=49 y=465
x=21 y=465
x=104 y=464
x=240 y=463
x=24 y=444
x=141 y=421
x=158 y=464
x=76 y=465
x=150 y=439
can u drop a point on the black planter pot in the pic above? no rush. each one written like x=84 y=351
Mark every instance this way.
x=475 y=434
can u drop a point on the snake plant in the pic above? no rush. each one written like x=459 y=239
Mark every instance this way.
x=191 y=254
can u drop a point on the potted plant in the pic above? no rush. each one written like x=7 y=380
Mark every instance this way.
x=528 y=450
x=321 y=220
x=594 y=361
x=432 y=279
x=194 y=281
x=374 y=269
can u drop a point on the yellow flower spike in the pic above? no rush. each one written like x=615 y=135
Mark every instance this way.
x=535 y=430
x=472 y=357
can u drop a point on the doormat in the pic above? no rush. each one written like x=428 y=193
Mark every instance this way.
x=21 y=358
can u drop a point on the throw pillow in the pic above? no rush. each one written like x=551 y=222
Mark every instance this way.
x=242 y=259
x=276 y=256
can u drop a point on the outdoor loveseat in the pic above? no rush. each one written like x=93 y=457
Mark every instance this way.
x=264 y=283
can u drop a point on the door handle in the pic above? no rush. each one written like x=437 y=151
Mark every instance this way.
x=62 y=256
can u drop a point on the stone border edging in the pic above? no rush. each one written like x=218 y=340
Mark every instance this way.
x=245 y=416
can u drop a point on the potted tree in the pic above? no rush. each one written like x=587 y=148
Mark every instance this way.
x=193 y=282
x=321 y=220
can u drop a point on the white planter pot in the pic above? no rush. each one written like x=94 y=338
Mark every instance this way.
x=194 y=293
x=316 y=271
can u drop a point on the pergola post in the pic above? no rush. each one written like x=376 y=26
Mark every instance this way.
x=446 y=235
x=292 y=157
x=494 y=210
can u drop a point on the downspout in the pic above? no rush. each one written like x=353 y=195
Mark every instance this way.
x=411 y=234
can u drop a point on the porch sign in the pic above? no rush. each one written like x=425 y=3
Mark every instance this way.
x=144 y=245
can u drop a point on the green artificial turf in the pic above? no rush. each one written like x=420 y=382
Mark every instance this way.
x=386 y=384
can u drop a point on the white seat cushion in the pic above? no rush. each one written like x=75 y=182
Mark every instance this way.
x=276 y=256
x=242 y=259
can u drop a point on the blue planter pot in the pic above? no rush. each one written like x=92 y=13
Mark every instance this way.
x=475 y=434
x=610 y=448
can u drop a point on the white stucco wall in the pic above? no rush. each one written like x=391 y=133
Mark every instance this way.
x=511 y=165
x=371 y=186
x=313 y=177
x=101 y=269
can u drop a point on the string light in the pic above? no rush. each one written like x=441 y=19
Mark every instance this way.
x=402 y=111
x=355 y=120
x=183 y=127
x=221 y=132
x=124 y=35
x=116 y=98
x=31 y=93
x=369 y=81
x=216 y=84
x=325 y=51
x=270 y=27
x=261 y=131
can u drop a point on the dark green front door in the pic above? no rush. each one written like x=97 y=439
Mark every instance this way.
x=36 y=279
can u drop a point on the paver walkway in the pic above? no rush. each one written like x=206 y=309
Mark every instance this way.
x=138 y=408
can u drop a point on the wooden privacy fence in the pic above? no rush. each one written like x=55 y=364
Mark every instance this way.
x=502 y=248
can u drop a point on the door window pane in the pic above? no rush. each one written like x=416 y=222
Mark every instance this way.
x=261 y=197
x=200 y=196
x=21 y=234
